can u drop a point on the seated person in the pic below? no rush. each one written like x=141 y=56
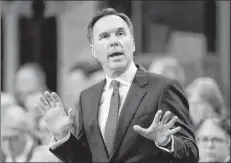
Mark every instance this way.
x=16 y=142
x=168 y=66
x=205 y=99
x=213 y=140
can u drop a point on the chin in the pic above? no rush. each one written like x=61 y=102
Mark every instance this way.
x=209 y=159
x=118 y=66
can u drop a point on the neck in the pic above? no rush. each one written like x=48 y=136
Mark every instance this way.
x=115 y=73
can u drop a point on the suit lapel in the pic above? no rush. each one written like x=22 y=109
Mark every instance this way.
x=93 y=123
x=133 y=99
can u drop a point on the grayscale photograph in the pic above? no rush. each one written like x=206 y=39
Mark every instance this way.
x=115 y=81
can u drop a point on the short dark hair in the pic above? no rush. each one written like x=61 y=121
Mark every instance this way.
x=106 y=12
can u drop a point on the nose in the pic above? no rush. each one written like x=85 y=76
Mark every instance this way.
x=114 y=42
x=210 y=144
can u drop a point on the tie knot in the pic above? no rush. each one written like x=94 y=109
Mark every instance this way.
x=115 y=84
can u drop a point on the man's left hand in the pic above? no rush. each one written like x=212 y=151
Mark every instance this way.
x=159 y=131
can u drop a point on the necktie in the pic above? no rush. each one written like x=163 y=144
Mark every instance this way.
x=112 y=117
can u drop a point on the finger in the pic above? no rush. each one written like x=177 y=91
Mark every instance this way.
x=44 y=102
x=174 y=130
x=71 y=115
x=140 y=130
x=156 y=118
x=172 y=122
x=40 y=108
x=57 y=100
x=50 y=99
x=165 y=117
x=39 y=112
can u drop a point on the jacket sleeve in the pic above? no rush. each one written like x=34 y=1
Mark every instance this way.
x=76 y=148
x=173 y=99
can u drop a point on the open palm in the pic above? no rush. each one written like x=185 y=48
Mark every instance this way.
x=159 y=131
x=58 y=122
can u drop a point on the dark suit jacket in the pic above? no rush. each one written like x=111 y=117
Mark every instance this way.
x=148 y=93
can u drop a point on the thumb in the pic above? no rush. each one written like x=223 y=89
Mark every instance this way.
x=140 y=130
x=71 y=114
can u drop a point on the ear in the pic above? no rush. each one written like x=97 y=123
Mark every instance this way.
x=229 y=142
x=93 y=51
x=134 y=45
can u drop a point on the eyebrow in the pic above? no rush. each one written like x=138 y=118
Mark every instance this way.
x=102 y=34
x=118 y=29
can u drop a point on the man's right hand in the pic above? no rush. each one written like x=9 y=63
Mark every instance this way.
x=58 y=122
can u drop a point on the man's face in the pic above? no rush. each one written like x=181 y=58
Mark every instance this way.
x=213 y=143
x=113 y=44
x=27 y=83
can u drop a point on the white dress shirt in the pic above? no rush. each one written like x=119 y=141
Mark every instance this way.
x=125 y=80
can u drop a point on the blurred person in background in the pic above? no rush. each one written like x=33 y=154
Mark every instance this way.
x=35 y=115
x=213 y=140
x=17 y=144
x=7 y=100
x=96 y=75
x=77 y=80
x=168 y=66
x=81 y=75
x=30 y=79
x=29 y=102
x=205 y=99
x=41 y=152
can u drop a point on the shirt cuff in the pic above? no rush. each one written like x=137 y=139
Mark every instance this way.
x=55 y=144
x=165 y=149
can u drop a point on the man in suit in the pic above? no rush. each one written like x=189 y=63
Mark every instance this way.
x=120 y=118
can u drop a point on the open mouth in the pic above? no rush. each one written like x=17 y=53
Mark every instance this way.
x=116 y=54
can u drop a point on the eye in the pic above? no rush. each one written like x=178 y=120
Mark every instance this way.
x=219 y=140
x=120 y=33
x=104 y=36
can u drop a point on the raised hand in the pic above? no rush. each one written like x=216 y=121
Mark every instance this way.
x=58 y=122
x=159 y=131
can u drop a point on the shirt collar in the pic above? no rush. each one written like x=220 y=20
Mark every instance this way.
x=125 y=78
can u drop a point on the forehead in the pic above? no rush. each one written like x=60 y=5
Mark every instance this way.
x=194 y=96
x=28 y=81
x=26 y=74
x=209 y=128
x=109 y=23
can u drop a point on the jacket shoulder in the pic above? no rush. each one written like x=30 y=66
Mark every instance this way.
x=93 y=87
x=158 y=78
